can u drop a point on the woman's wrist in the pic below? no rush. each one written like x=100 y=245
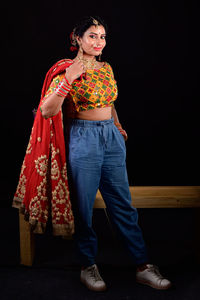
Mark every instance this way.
x=68 y=78
x=68 y=82
x=118 y=125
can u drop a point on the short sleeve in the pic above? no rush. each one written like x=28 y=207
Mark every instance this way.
x=109 y=68
x=53 y=85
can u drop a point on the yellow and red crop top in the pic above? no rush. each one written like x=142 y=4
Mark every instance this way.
x=97 y=89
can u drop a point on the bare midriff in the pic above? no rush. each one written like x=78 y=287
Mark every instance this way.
x=98 y=114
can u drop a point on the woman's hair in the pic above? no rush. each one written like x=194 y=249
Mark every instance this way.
x=86 y=23
x=82 y=26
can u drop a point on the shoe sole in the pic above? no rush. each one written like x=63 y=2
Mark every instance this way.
x=91 y=288
x=153 y=286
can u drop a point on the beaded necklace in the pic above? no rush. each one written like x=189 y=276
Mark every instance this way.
x=90 y=64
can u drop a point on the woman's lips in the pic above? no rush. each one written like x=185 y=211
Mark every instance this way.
x=97 y=48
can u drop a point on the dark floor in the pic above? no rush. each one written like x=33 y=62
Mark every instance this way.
x=170 y=236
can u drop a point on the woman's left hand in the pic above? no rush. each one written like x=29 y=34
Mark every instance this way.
x=123 y=132
x=119 y=126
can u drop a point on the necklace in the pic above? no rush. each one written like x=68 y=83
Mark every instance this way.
x=90 y=64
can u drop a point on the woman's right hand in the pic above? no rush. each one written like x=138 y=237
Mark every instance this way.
x=74 y=71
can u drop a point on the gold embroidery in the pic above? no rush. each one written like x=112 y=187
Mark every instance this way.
x=41 y=165
x=29 y=147
x=36 y=204
x=60 y=198
x=64 y=172
x=54 y=151
x=21 y=188
x=55 y=173
x=23 y=167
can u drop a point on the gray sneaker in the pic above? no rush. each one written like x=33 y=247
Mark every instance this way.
x=152 y=277
x=91 y=278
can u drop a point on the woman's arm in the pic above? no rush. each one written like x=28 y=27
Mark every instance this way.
x=117 y=124
x=114 y=115
x=53 y=103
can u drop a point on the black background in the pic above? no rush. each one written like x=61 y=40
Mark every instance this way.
x=152 y=47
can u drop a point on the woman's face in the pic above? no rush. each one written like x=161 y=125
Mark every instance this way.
x=93 y=40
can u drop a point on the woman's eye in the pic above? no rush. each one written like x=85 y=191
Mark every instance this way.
x=92 y=36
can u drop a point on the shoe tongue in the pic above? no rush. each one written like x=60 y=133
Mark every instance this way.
x=92 y=267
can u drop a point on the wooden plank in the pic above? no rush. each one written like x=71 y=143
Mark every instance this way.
x=142 y=197
x=160 y=197
x=27 y=245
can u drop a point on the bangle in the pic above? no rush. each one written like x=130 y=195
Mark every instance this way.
x=63 y=88
x=66 y=81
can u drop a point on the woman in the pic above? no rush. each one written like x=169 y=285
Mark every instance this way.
x=96 y=151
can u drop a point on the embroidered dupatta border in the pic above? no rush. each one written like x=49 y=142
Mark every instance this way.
x=43 y=183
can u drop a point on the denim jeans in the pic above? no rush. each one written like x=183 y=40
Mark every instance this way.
x=97 y=160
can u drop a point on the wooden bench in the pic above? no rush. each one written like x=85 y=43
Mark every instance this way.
x=142 y=197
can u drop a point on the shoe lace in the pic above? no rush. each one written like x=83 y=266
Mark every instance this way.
x=155 y=272
x=94 y=274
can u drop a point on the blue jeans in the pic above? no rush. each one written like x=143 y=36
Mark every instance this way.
x=97 y=160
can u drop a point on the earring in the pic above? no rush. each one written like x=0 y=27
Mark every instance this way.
x=99 y=58
x=81 y=51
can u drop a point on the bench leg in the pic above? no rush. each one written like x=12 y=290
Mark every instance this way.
x=27 y=245
x=197 y=235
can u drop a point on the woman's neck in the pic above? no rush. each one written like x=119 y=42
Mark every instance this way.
x=89 y=61
x=85 y=56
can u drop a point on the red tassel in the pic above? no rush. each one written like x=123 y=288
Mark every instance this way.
x=72 y=48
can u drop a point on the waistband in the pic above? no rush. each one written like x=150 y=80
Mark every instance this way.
x=88 y=123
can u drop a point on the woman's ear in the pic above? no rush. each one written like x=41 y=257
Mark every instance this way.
x=78 y=39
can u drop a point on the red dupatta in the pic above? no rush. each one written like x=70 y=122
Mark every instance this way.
x=43 y=183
